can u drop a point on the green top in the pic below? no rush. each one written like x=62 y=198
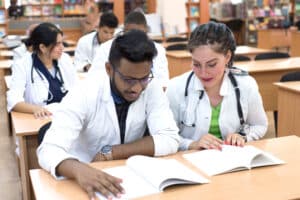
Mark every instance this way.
x=214 y=128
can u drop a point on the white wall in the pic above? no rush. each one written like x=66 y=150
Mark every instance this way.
x=173 y=13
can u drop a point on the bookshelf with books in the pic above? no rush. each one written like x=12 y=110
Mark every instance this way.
x=3 y=17
x=197 y=13
x=52 y=8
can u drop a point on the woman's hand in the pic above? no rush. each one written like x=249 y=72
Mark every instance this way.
x=207 y=141
x=41 y=113
x=235 y=139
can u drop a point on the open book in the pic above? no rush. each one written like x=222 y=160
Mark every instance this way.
x=231 y=158
x=143 y=175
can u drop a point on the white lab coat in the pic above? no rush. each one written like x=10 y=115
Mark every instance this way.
x=22 y=89
x=18 y=53
x=198 y=112
x=160 y=63
x=87 y=121
x=85 y=50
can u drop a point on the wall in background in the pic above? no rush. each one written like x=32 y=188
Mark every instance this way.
x=173 y=15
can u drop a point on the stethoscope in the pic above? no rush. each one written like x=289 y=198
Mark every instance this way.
x=57 y=70
x=244 y=126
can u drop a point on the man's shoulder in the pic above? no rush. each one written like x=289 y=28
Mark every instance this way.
x=87 y=37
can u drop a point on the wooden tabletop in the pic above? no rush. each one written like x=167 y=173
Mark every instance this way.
x=270 y=64
x=5 y=64
x=272 y=182
x=247 y=50
x=291 y=85
x=26 y=124
x=240 y=50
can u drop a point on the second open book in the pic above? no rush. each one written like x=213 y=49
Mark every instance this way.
x=231 y=158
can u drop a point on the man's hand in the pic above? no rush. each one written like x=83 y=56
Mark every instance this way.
x=91 y=179
x=207 y=141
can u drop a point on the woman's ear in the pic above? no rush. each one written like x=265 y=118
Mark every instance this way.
x=228 y=56
x=42 y=48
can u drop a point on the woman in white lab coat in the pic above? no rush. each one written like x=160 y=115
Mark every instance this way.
x=41 y=79
x=215 y=104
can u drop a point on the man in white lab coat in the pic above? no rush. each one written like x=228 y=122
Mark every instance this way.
x=135 y=20
x=106 y=117
x=87 y=44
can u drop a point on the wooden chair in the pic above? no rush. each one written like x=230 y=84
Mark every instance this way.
x=176 y=47
x=238 y=58
x=271 y=55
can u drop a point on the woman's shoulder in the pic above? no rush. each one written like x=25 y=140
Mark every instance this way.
x=245 y=81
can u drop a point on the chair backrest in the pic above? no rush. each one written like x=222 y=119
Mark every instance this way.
x=175 y=47
x=271 y=55
x=292 y=76
x=298 y=25
x=42 y=132
x=235 y=24
x=176 y=39
x=237 y=58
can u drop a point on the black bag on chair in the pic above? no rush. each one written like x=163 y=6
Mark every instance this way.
x=43 y=131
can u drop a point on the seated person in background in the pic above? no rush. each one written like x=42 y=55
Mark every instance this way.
x=136 y=20
x=92 y=16
x=43 y=78
x=26 y=47
x=208 y=108
x=85 y=50
x=14 y=10
x=108 y=121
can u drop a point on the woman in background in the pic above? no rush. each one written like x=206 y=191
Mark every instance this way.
x=215 y=104
x=40 y=80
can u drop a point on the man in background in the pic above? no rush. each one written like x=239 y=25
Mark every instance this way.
x=87 y=44
x=136 y=20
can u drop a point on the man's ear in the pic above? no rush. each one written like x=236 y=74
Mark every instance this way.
x=109 y=69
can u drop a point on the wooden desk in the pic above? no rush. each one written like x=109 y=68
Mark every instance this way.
x=3 y=47
x=25 y=128
x=6 y=54
x=251 y=52
x=295 y=38
x=266 y=72
x=5 y=66
x=70 y=42
x=288 y=108
x=273 y=38
x=272 y=182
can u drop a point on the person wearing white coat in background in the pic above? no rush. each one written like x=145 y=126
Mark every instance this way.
x=87 y=44
x=135 y=20
x=205 y=101
x=25 y=48
x=41 y=79
x=108 y=121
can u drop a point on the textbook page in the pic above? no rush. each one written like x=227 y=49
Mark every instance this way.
x=163 y=172
x=231 y=158
x=144 y=175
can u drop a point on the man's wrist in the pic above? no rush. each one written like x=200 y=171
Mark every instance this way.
x=106 y=153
